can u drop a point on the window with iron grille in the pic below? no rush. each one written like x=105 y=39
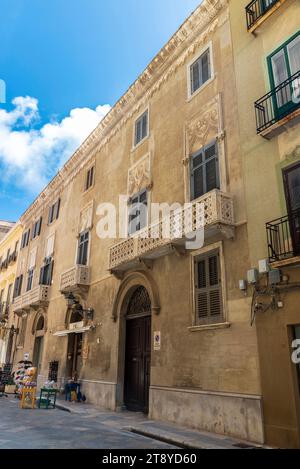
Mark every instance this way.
x=138 y=212
x=200 y=71
x=46 y=272
x=141 y=128
x=54 y=212
x=83 y=248
x=208 y=289
x=89 y=178
x=204 y=168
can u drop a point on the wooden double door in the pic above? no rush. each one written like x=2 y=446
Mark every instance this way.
x=137 y=363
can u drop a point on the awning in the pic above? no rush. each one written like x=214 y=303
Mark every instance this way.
x=65 y=332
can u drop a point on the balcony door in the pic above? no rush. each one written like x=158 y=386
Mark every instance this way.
x=291 y=178
x=283 y=64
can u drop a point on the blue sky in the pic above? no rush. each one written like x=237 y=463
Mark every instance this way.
x=64 y=63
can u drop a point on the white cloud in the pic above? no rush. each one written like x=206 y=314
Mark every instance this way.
x=31 y=156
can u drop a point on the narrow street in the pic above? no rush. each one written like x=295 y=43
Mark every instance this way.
x=83 y=426
x=57 y=429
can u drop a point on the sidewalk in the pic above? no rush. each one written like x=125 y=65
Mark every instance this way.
x=166 y=432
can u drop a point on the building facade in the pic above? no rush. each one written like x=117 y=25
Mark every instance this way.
x=266 y=45
x=153 y=319
x=9 y=250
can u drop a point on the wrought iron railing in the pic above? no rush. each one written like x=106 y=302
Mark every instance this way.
x=278 y=103
x=257 y=9
x=283 y=237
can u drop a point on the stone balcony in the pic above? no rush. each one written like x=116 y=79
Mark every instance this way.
x=35 y=298
x=216 y=217
x=76 y=278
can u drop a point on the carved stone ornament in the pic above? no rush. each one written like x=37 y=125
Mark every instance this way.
x=294 y=155
x=86 y=218
x=203 y=129
x=139 y=176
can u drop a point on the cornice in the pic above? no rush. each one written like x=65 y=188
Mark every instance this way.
x=202 y=22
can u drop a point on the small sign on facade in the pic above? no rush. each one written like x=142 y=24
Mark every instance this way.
x=157 y=340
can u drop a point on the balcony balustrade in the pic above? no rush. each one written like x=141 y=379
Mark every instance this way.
x=258 y=10
x=35 y=298
x=283 y=237
x=75 y=278
x=278 y=107
x=163 y=237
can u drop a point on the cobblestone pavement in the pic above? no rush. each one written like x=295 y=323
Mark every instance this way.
x=56 y=429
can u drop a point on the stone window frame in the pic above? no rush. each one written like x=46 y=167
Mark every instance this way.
x=207 y=46
x=91 y=165
x=137 y=145
x=218 y=246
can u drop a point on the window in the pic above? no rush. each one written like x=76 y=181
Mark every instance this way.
x=54 y=212
x=141 y=128
x=208 y=294
x=46 y=272
x=8 y=298
x=204 y=171
x=138 y=212
x=36 y=231
x=283 y=64
x=18 y=286
x=25 y=239
x=89 y=178
x=30 y=279
x=21 y=337
x=83 y=246
x=200 y=71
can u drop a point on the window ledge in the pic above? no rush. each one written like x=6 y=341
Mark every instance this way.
x=208 y=327
x=192 y=96
x=135 y=147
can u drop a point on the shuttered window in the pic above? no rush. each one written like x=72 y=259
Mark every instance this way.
x=204 y=171
x=36 y=230
x=89 y=178
x=141 y=128
x=83 y=247
x=200 y=71
x=25 y=239
x=138 y=212
x=46 y=272
x=18 y=286
x=30 y=279
x=208 y=291
x=54 y=212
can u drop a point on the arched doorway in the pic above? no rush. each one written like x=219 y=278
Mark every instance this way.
x=138 y=351
x=39 y=331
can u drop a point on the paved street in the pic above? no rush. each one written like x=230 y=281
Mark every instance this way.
x=83 y=426
x=57 y=429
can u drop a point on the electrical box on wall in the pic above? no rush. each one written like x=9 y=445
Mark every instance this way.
x=243 y=285
x=252 y=276
x=274 y=276
x=263 y=266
